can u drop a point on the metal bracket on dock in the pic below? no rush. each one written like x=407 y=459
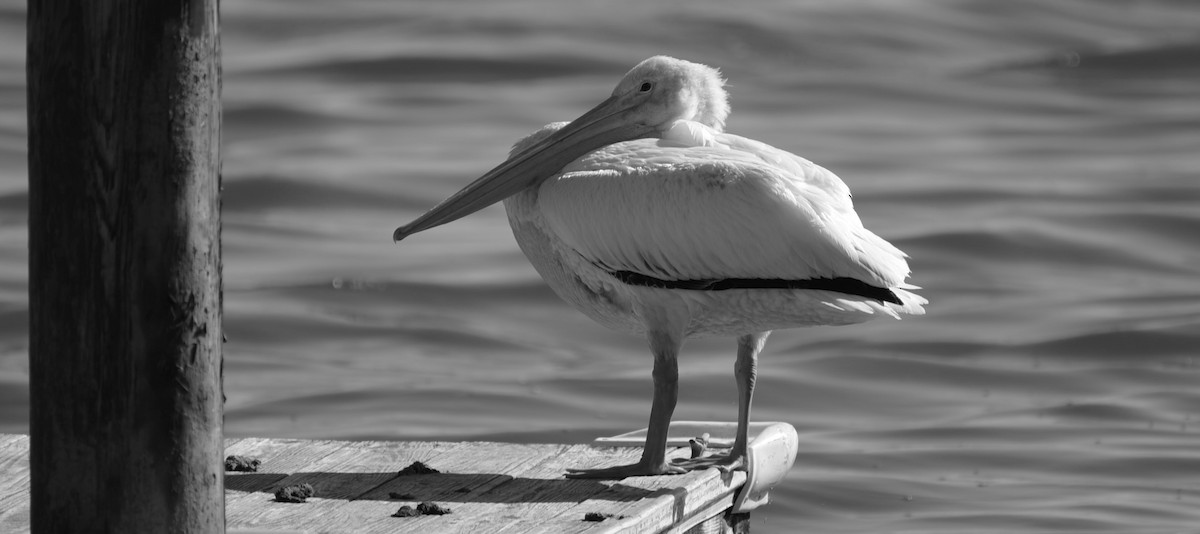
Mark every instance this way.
x=769 y=455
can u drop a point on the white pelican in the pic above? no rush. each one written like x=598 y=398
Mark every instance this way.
x=648 y=218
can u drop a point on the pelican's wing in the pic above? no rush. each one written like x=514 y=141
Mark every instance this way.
x=730 y=210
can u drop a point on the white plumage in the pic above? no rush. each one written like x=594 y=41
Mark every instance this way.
x=644 y=215
x=714 y=211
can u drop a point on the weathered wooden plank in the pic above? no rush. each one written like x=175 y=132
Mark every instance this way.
x=699 y=516
x=543 y=492
x=284 y=454
x=15 y=520
x=523 y=483
x=471 y=474
x=339 y=478
x=14 y=483
x=681 y=504
x=14 y=471
x=245 y=493
x=490 y=487
x=6 y=439
x=539 y=514
x=280 y=458
x=663 y=502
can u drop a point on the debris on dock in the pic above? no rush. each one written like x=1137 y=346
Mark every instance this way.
x=406 y=511
x=425 y=508
x=699 y=444
x=417 y=468
x=295 y=493
x=244 y=464
x=597 y=517
x=432 y=508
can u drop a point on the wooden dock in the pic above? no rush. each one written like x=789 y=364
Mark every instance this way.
x=488 y=487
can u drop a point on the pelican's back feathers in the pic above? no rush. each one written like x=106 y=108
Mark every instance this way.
x=735 y=208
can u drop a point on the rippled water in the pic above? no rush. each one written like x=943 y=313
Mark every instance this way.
x=1038 y=160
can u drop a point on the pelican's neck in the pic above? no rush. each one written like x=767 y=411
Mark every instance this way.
x=689 y=134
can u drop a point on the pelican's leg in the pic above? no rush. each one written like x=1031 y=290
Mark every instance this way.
x=664 y=343
x=745 y=372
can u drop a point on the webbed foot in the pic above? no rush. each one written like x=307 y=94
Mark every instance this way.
x=724 y=462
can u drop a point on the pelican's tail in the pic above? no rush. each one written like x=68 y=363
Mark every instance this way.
x=910 y=303
x=913 y=304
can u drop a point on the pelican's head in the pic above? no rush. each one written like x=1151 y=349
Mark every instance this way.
x=665 y=90
x=651 y=98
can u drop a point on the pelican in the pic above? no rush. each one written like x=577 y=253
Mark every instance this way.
x=644 y=215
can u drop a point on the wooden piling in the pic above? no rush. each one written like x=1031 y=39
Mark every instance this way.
x=125 y=266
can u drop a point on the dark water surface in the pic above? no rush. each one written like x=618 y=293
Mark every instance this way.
x=1040 y=162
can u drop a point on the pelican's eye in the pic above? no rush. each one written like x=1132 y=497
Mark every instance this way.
x=646 y=87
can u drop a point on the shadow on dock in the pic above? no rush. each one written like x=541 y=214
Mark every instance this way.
x=441 y=487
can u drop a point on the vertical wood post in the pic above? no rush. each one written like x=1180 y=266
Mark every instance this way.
x=125 y=266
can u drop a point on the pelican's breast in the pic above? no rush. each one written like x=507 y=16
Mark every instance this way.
x=578 y=282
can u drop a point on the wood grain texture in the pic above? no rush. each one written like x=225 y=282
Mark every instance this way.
x=14 y=482
x=125 y=265
x=489 y=487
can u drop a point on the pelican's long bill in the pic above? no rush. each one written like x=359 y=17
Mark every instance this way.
x=608 y=123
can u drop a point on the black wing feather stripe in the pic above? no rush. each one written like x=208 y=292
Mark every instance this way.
x=849 y=286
